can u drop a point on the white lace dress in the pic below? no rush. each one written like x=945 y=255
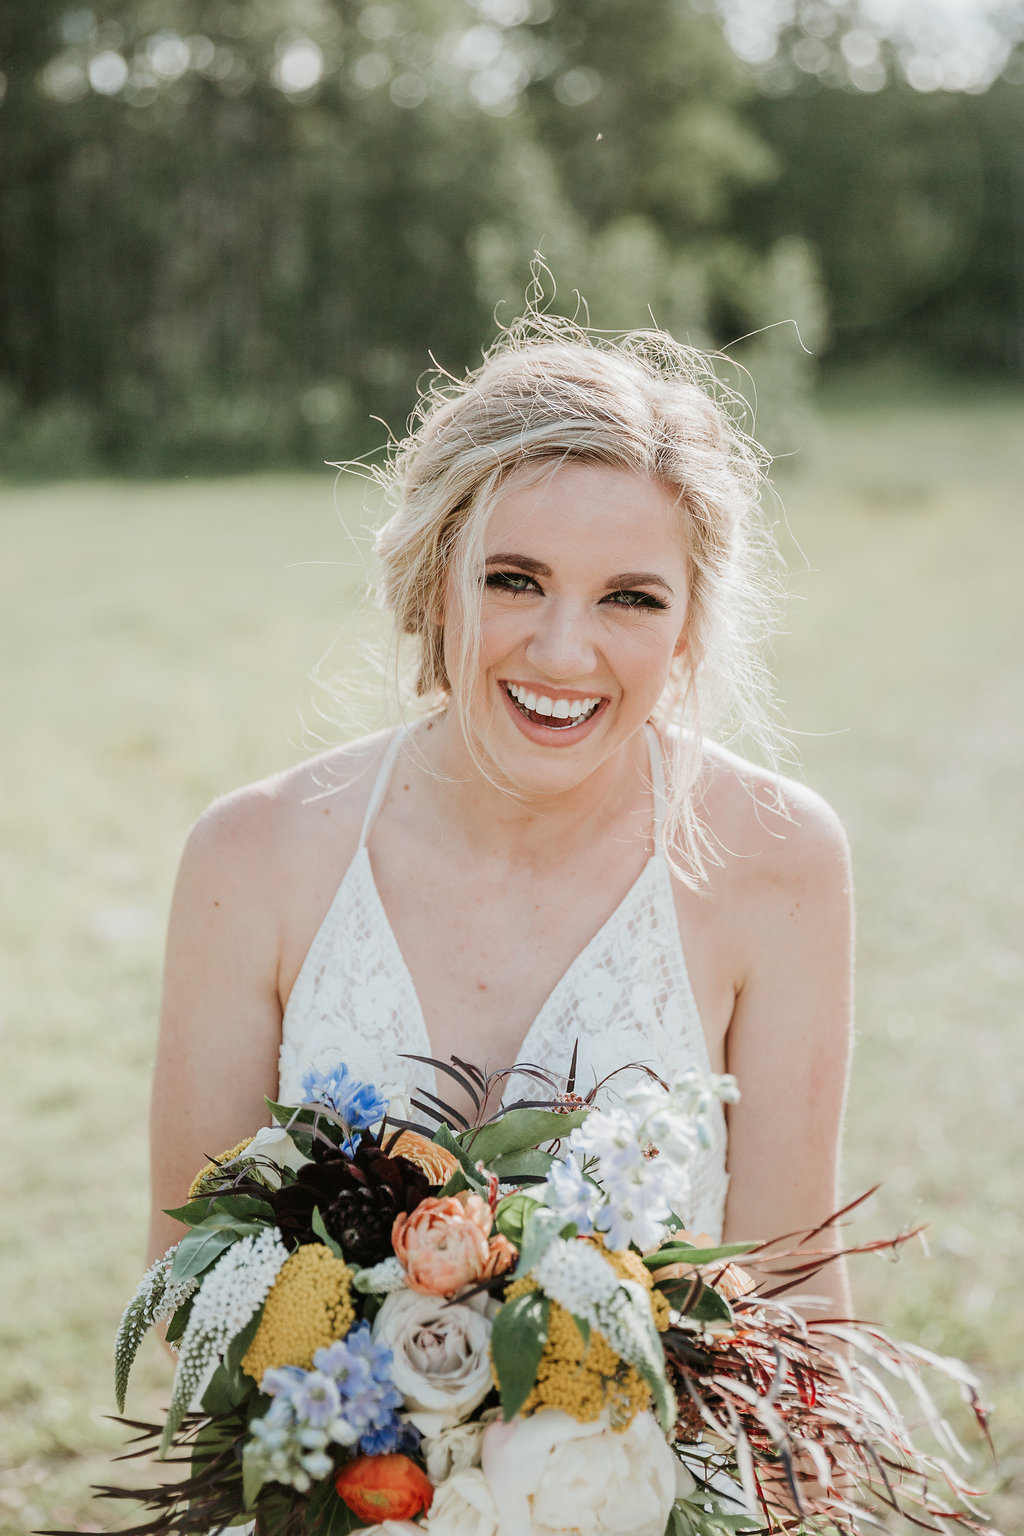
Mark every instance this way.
x=626 y=998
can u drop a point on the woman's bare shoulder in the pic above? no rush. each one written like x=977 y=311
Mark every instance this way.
x=775 y=828
x=266 y=826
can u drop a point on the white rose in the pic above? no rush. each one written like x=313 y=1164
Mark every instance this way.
x=550 y=1475
x=442 y=1363
x=273 y=1143
x=463 y=1505
x=456 y=1449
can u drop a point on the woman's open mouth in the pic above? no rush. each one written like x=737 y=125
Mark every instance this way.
x=556 y=714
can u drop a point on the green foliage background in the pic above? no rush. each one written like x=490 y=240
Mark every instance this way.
x=206 y=266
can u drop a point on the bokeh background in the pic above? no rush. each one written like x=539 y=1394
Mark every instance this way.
x=233 y=235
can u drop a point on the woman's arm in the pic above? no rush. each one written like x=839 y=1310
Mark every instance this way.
x=220 y=1023
x=789 y=1040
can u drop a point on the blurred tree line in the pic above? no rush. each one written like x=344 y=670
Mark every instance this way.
x=234 y=232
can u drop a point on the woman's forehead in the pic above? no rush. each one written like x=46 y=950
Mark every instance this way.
x=583 y=504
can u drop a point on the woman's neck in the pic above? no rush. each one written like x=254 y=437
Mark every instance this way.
x=538 y=828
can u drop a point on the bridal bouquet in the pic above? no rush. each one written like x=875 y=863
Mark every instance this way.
x=505 y=1330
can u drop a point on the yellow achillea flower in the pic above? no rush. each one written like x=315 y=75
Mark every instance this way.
x=196 y=1187
x=309 y=1306
x=584 y=1382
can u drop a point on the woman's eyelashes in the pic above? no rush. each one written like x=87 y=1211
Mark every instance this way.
x=517 y=581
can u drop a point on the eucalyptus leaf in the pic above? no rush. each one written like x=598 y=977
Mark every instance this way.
x=531 y=1163
x=517 y=1342
x=519 y=1130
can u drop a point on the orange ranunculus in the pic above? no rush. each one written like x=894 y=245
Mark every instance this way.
x=437 y=1163
x=443 y=1245
x=390 y=1487
x=729 y=1280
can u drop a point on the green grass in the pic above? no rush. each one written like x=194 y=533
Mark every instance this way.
x=156 y=641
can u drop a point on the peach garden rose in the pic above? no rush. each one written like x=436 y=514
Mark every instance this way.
x=445 y=1244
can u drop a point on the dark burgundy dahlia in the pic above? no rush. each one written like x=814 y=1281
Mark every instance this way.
x=358 y=1199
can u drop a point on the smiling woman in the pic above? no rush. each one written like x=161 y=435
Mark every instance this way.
x=559 y=854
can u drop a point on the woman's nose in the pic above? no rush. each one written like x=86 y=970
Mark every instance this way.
x=561 y=645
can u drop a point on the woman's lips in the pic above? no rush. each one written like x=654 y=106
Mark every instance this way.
x=550 y=720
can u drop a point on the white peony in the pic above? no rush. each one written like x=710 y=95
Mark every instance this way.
x=441 y=1357
x=456 y=1449
x=463 y=1505
x=549 y=1475
x=392 y=1528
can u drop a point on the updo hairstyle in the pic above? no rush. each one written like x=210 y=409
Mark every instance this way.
x=548 y=392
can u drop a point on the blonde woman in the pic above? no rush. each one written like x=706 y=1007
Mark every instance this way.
x=556 y=849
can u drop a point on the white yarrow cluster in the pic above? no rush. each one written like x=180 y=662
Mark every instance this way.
x=230 y=1293
x=576 y=1276
x=381 y=1279
x=582 y=1281
x=236 y=1285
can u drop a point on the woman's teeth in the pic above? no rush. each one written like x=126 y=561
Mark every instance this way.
x=572 y=711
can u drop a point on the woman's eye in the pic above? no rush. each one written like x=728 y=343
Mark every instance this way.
x=635 y=600
x=510 y=581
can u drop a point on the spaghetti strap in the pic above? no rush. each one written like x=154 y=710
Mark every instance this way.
x=380 y=783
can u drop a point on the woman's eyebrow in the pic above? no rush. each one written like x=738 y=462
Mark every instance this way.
x=524 y=562
x=640 y=579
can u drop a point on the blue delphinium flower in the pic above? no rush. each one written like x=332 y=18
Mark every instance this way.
x=347 y=1399
x=358 y=1104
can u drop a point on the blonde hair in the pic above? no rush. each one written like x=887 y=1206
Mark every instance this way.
x=550 y=391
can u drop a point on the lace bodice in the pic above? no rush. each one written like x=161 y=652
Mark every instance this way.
x=626 y=998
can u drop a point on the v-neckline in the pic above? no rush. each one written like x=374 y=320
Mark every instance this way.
x=420 y=1021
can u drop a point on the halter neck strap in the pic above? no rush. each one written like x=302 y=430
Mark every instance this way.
x=657 y=762
x=380 y=783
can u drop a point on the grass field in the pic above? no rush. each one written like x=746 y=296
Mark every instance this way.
x=156 y=639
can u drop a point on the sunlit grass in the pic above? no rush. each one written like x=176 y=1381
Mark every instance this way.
x=156 y=641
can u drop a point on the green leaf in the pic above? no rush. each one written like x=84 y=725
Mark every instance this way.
x=252 y=1480
x=542 y=1227
x=471 y=1176
x=519 y=1130
x=317 y=1223
x=179 y=1322
x=236 y=1352
x=511 y=1216
x=202 y=1246
x=584 y=1328
x=327 y=1514
x=222 y=1394
x=517 y=1342
x=708 y=1307
x=249 y=1207
x=685 y=1253
x=529 y=1164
